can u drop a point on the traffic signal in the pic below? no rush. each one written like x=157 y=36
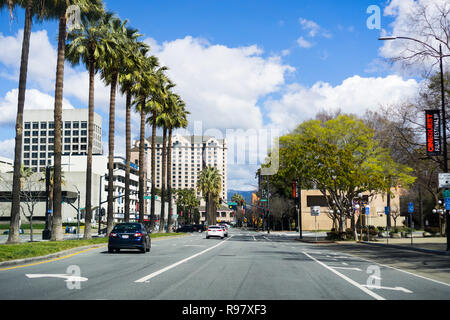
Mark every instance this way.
x=242 y=203
x=220 y=200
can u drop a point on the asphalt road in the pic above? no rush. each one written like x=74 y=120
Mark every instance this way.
x=245 y=266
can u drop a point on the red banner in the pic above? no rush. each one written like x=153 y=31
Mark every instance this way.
x=433 y=132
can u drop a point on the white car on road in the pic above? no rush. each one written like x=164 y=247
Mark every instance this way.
x=215 y=231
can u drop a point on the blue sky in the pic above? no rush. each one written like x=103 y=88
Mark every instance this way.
x=253 y=64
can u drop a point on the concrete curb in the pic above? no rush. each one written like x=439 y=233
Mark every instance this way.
x=439 y=252
x=59 y=254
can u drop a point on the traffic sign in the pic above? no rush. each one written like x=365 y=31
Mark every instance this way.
x=447 y=203
x=386 y=210
x=315 y=211
x=446 y=194
x=410 y=207
x=444 y=180
x=367 y=210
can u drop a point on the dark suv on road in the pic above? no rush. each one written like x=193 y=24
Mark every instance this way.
x=129 y=236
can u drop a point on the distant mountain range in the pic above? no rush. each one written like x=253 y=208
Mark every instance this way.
x=246 y=194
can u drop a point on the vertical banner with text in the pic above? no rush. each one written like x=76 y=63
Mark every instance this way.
x=433 y=132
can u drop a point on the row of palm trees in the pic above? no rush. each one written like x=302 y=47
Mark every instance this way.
x=106 y=45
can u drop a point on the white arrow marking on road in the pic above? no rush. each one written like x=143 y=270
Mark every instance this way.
x=388 y=288
x=361 y=287
x=68 y=277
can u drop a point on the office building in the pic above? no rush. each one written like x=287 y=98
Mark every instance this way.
x=38 y=136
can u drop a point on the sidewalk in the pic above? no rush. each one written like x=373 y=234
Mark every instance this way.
x=436 y=245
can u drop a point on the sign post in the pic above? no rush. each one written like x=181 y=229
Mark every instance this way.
x=411 y=224
x=387 y=213
x=368 y=224
x=315 y=212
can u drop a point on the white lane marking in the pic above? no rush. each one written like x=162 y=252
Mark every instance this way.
x=347 y=268
x=194 y=245
x=68 y=277
x=410 y=273
x=345 y=263
x=388 y=288
x=254 y=239
x=362 y=288
x=154 y=274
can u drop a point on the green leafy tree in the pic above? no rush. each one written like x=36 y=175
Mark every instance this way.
x=341 y=158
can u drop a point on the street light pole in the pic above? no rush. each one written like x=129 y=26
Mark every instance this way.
x=444 y=124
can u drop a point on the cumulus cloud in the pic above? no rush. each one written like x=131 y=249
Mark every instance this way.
x=34 y=99
x=409 y=21
x=221 y=85
x=7 y=148
x=354 y=95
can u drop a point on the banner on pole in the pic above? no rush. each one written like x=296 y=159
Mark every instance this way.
x=433 y=132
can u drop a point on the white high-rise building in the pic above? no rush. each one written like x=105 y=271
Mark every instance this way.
x=38 y=136
x=190 y=154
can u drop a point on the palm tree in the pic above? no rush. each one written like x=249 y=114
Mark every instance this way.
x=87 y=45
x=142 y=90
x=159 y=96
x=210 y=185
x=128 y=80
x=111 y=66
x=177 y=119
x=13 y=236
x=59 y=10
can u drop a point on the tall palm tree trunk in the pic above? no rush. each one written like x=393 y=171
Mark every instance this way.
x=163 y=182
x=57 y=234
x=169 y=180
x=88 y=206
x=112 y=115
x=127 y=155
x=13 y=236
x=152 y=201
x=142 y=165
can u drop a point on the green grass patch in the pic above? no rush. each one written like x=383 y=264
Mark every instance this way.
x=37 y=249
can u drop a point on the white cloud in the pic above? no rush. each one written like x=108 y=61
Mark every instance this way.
x=41 y=61
x=34 y=99
x=407 y=23
x=354 y=95
x=313 y=28
x=221 y=85
x=7 y=148
x=304 y=43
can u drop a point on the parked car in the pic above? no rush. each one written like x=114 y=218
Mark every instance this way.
x=129 y=236
x=215 y=231
x=186 y=228
x=199 y=227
